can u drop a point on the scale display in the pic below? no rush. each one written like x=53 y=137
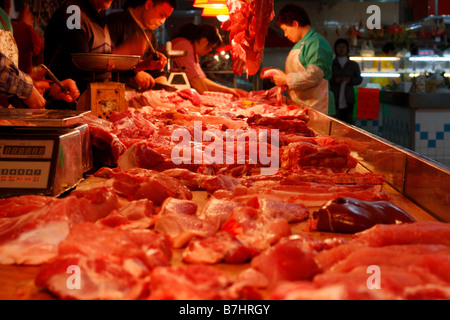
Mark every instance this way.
x=26 y=163
x=23 y=150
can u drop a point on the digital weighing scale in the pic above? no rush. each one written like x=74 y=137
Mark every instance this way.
x=42 y=152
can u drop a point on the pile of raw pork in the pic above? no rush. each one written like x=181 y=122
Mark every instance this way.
x=143 y=232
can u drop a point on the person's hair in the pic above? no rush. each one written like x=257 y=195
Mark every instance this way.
x=389 y=46
x=137 y=3
x=341 y=41
x=290 y=13
x=195 y=32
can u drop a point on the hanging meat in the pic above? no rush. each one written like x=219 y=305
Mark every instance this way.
x=248 y=25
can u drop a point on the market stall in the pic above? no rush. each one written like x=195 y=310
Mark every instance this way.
x=177 y=195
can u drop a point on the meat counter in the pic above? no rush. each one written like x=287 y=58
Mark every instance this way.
x=420 y=179
x=414 y=183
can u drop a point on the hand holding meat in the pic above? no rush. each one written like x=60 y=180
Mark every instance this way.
x=269 y=73
x=151 y=64
x=238 y=93
x=278 y=76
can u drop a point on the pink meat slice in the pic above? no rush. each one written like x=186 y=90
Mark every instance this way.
x=394 y=255
x=19 y=205
x=139 y=183
x=113 y=264
x=269 y=73
x=33 y=238
x=177 y=220
x=288 y=260
x=220 y=247
x=196 y=282
x=135 y=215
x=255 y=230
x=420 y=232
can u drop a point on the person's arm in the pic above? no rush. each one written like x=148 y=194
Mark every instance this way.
x=199 y=84
x=213 y=86
x=14 y=82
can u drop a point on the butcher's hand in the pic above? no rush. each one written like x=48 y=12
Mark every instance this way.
x=144 y=80
x=238 y=93
x=41 y=85
x=35 y=100
x=151 y=64
x=280 y=79
x=56 y=92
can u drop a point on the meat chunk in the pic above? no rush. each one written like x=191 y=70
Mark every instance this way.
x=105 y=263
x=248 y=25
x=288 y=260
x=141 y=183
x=33 y=238
x=420 y=232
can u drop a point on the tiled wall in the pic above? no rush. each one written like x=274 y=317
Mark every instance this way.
x=424 y=131
x=432 y=134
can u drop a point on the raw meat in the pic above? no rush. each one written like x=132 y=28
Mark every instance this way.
x=248 y=25
x=347 y=215
x=420 y=232
x=254 y=229
x=112 y=263
x=139 y=155
x=275 y=207
x=298 y=155
x=33 y=238
x=269 y=73
x=289 y=260
x=196 y=282
x=19 y=205
x=139 y=183
x=135 y=215
x=297 y=126
x=177 y=220
x=220 y=247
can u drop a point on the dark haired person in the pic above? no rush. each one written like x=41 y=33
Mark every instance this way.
x=308 y=65
x=345 y=75
x=61 y=41
x=131 y=32
x=199 y=40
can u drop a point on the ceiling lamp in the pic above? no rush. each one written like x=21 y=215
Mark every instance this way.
x=213 y=8
x=213 y=12
x=210 y=4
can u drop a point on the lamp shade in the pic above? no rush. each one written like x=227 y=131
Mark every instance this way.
x=214 y=12
x=210 y=4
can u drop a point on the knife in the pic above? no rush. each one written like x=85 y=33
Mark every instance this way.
x=64 y=89
x=159 y=86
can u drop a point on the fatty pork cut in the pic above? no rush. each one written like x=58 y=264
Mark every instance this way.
x=248 y=25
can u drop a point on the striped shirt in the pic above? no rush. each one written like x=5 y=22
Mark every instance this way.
x=14 y=82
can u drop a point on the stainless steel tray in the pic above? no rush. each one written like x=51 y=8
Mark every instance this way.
x=11 y=117
x=104 y=62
